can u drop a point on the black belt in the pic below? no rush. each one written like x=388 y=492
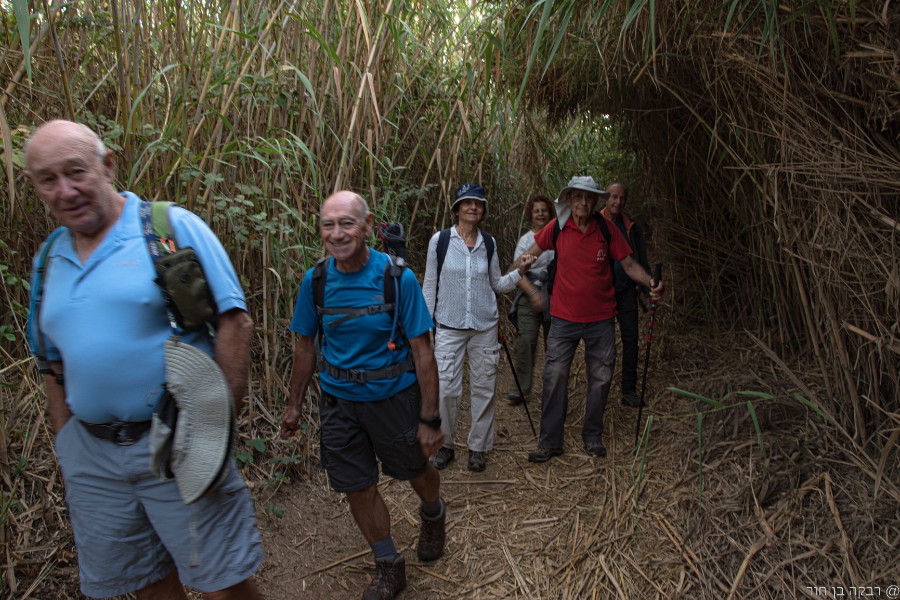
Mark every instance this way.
x=120 y=432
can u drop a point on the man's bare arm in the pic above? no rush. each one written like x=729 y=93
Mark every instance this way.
x=235 y=327
x=639 y=275
x=427 y=375
x=301 y=374
x=57 y=408
x=534 y=251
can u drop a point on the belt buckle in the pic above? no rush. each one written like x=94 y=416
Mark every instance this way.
x=122 y=436
x=357 y=376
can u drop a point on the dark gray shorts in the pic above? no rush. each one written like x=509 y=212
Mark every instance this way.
x=355 y=436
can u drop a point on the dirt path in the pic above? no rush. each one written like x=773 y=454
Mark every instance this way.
x=764 y=504
x=515 y=530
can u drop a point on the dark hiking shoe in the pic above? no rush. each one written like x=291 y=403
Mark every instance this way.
x=631 y=400
x=595 y=449
x=476 y=461
x=443 y=457
x=542 y=455
x=514 y=398
x=432 y=535
x=390 y=578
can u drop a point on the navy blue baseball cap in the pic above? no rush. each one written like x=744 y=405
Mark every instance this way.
x=469 y=191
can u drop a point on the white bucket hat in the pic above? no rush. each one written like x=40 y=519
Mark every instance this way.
x=198 y=450
x=579 y=182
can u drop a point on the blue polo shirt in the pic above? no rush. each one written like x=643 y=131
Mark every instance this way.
x=106 y=319
x=361 y=342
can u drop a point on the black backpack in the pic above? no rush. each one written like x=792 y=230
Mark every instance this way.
x=551 y=268
x=444 y=243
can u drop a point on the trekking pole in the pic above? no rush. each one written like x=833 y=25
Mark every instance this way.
x=657 y=278
x=512 y=368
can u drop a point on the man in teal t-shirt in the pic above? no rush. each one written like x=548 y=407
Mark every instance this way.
x=377 y=405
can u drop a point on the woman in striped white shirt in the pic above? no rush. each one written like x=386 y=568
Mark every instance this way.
x=462 y=278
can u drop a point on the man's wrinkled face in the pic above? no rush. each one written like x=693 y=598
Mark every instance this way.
x=71 y=177
x=344 y=230
x=615 y=204
x=582 y=203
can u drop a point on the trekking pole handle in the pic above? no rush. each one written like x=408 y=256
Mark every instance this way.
x=657 y=275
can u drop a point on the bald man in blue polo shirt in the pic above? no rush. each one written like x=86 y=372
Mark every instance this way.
x=102 y=326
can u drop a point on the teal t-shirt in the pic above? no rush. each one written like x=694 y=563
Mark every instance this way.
x=361 y=342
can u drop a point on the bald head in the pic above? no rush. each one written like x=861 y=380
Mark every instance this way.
x=48 y=134
x=72 y=172
x=359 y=204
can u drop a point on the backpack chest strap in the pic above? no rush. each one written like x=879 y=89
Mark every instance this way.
x=352 y=313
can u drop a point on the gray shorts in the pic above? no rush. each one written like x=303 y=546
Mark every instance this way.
x=354 y=434
x=132 y=529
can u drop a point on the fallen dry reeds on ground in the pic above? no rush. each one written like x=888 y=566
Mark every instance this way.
x=743 y=521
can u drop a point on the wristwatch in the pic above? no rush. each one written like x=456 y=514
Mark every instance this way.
x=433 y=423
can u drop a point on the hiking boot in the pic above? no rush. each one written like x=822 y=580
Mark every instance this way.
x=443 y=457
x=631 y=400
x=542 y=455
x=476 y=461
x=514 y=399
x=390 y=578
x=595 y=449
x=432 y=535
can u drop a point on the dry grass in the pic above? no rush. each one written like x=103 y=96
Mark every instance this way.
x=769 y=144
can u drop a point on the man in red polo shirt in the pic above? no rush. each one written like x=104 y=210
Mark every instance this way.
x=582 y=307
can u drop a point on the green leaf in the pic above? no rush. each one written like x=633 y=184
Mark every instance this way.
x=754 y=394
x=755 y=419
x=687 y=394
x=258 y=444
x=812 y=406
x=542 y=27
x=23 y=23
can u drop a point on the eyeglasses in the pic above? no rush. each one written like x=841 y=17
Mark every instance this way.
x=580 y=196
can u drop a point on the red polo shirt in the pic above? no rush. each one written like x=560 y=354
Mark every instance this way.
x=583 y=289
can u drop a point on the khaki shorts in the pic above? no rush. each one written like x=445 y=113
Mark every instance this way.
x=132 y=529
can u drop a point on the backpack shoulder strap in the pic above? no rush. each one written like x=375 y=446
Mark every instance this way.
x=34 y=309
x=393 y=271
x=157 y=229
x=489 y=246
x=162 y=226
x=604 y=228
x=442 y=245
x=320 y=274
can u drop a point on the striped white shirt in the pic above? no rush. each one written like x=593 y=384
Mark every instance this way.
x=466 y=295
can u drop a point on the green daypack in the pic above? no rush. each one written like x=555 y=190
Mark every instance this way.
x=179 y=274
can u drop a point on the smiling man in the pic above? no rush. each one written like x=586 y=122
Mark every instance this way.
x=378 y=377
x=582 y=307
